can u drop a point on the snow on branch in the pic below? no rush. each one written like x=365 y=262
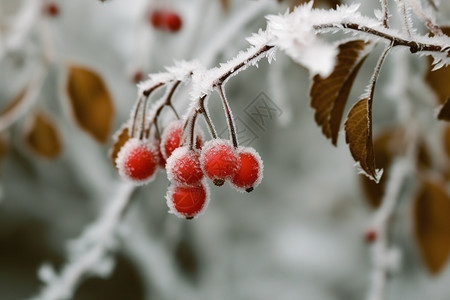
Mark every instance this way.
x=89 y=254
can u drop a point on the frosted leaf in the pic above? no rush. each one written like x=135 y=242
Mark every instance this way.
x=137 y=160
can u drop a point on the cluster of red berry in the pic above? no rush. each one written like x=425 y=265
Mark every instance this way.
x=165 y=20
x=186 y=166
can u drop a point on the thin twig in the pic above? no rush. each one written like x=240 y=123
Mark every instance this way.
x=384 y=7
x=418 y=10
x=230 y=121
x=396 y=40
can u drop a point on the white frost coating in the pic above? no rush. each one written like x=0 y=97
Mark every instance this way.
x=378 y=173
x=90 y=254
x=131 y=147
x=203 y=81
x=22 y=26
x=294 y=34
x=182 y=157
x=171 y=205
x=258 y=158
x=181 y=70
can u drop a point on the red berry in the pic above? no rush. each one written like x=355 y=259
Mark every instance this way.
x=137 y=161
x=370 y=236
x=249 y=173
x=137 y=76
x=172 y=21
x=156 y=18
x=51 y=9
x=171 y=137
x=187 y=201
x=183 y=166
x=161 y=160
x=219 y=161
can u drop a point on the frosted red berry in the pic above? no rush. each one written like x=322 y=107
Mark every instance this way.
x=172 y=21
x=183 y=166
x=249 y=173
x=137 y=161
x=171 y=138
x=187 y=201
x=51 y=9
x=161 y=159
x=219 y=161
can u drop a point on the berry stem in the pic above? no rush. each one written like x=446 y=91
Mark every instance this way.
x=205 y=114
x=192 y=130
x=157 y=133
x=145 y=95
x=169 y=98
x=144 y=110
x=226 y=107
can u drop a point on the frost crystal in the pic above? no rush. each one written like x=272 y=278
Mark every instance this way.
x=294 y=34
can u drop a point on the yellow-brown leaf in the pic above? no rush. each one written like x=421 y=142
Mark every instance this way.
x=358 y=135
x=225 y=4
x=329 y=95
x=42 y=137
x=439 y=80
x=90 y=101
x=119 y=139
x=432 y=224
x=444 y=112
x=388 y=144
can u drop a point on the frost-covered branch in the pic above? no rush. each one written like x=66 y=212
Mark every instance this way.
x=386 y=258
x=90 y=253
x=426 y=17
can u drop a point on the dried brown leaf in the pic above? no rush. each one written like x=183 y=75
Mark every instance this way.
x=388 y=144
x=225 y=4
x=329 y=95
x=358 y=135
x=90 y=101
x=3 y=146
x=446 y=139
x=444 y=112
x=439 y=80
x=42 y=137
x=432 y=224
x=120 y=137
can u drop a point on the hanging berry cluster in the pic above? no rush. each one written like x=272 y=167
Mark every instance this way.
x=180 y=150
x=165 y=20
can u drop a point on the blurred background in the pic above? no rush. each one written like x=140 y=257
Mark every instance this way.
x=299 y=235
